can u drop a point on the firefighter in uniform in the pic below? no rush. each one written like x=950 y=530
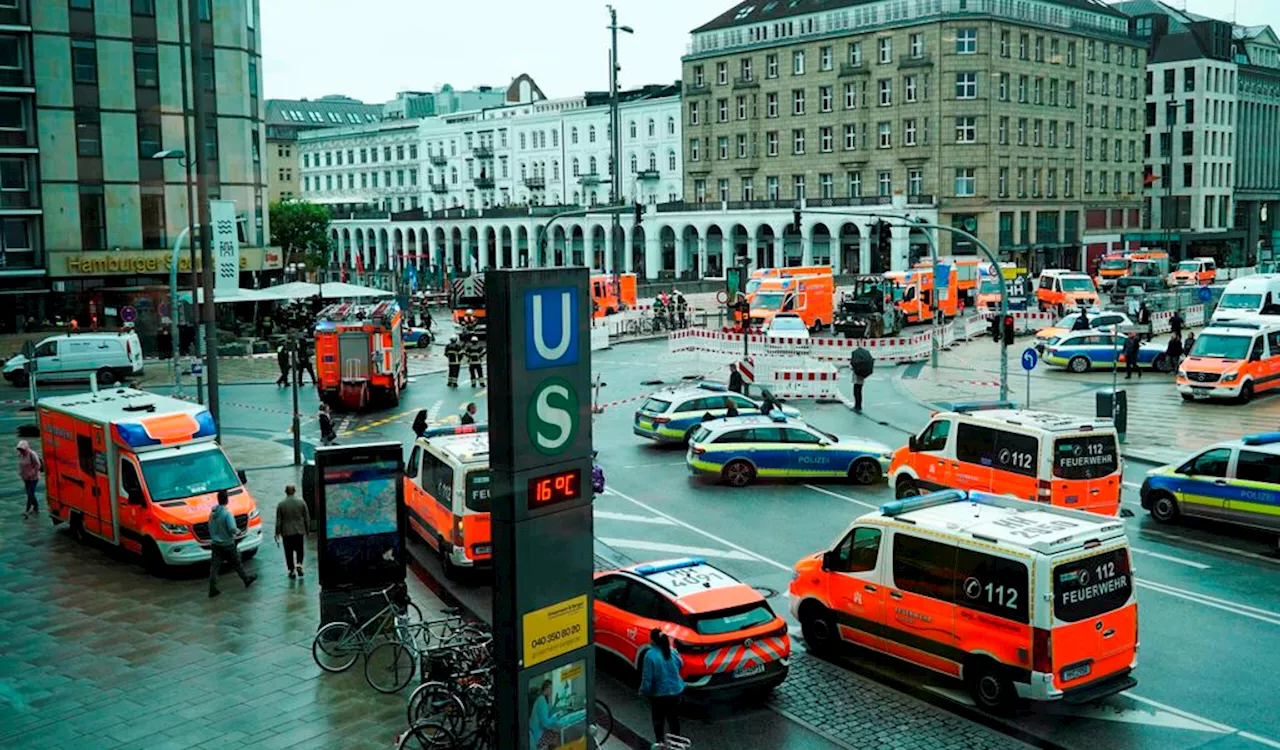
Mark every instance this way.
x=475 y=362
x=453 y=352
x=469 y=322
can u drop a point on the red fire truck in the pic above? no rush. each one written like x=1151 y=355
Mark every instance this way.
x=360 y=356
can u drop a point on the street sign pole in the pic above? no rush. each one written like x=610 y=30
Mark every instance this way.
x=1029 y=359
x=540 y=463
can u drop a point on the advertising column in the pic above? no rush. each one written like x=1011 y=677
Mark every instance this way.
x=540 y=457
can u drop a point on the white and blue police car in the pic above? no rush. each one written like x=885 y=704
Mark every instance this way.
x=673 y=414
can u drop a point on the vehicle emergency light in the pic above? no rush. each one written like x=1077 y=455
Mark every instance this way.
x=968 y=407
x=466 y=429
x=709 y=386
x=1266 y=438
x=662 y=567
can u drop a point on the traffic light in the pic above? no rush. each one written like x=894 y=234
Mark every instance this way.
x=1008 y=330
x=795 y=219
x=639 y=212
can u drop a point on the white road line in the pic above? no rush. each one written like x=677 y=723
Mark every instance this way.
x=845 y=498
x=1259 y=739
x=675 y=549
x=631 y=517
x=1270 y=618
x=648 y=466
x=696 y=530
x=1133 y=485
x=1179 y=712
x=1210 y=545
x=1170 y=558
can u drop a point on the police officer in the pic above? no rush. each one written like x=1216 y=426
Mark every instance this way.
x=475 y=362
x=454 y=352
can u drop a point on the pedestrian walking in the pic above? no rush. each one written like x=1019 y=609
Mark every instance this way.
x=292 y=524
x=327 y=433
x=1173 y=352
x=475 y=362
x=1131 y=346
x=29 y=468
x=660 y=682
x=302 y=361
x=1176 y=324
x=223 y=546
x=468 y=413
x=282 y=359
x=735 y=379
x=1188 y=344
x=1144 y=320
x=454 y=352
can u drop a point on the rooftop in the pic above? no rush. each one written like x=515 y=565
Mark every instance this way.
x=760 y=11
x=326 y=112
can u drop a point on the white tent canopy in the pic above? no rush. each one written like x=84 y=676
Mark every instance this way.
x=330 y=290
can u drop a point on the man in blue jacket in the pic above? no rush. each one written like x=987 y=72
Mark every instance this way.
x=223 y=549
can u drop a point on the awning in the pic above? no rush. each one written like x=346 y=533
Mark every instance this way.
x=329 y=290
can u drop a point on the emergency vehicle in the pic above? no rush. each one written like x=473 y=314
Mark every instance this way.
x=448 y=495
x=143 y=472
x=1019 y=600
x=467 y=295
x=612 y=293
x=739 y=450
x=1059 y=291
x=673 y=414
x=810 y=297
x=1255 y=297
x=1237 y=481
x=967 y=272
x=1054 y=459
x=728 y=637
x=1081 y=351
x=760 y=274
x=1194 y=272
x=913 y=293
x=1232 y=360
x=360 y=356
x=1112 y=267
x=1098 y=321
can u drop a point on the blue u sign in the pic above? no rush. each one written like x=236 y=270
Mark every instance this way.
x=551 y=327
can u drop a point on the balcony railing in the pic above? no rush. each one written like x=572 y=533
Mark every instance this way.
x=647 y=174
x=854 y=69
x=536 y=182
x=438 y=159
x=916 y=61
x=439 y=187
x=484 y=182
x=922 y=199
x=694 y=89
x=483 y=152
x=746 y=83
x=590 y=178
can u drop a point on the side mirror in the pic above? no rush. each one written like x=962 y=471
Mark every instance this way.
x=913 y=443
x=828 y=559
x=243 y=477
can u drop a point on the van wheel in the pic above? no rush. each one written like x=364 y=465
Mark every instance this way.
x=1078 y=364
x=451 y=571
x=106 y=376
x=152 y=560
x=1246 y=393
x=739 y=473
x=1164 y=508
x=818 y=628
x=907 y=487
x=76 y=526
x=21 y=379
x=1162 y=364
x=1187 y=397
x=865 y=471
x=989 y=687
x=1062 y=310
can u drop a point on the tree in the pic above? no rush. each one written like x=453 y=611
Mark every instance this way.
x=301 y=230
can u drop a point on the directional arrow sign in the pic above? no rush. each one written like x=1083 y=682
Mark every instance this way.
x=1029 y=359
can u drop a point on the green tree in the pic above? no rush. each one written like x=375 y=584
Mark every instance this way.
x=301 y=230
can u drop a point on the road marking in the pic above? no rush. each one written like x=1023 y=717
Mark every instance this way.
x=1210 y=545
x=1184 y=714
x=1133 y=485
x=631 y=518
x=645 y=466
x=845 y=498
x=1164 y=716
x=676 y=549
x=1170 y=558
x=1244 y=610
x=696 y=530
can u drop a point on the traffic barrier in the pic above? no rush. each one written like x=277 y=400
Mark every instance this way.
x=1193 y=316
x=599 y=338
x=747 y=368
x=814 y=379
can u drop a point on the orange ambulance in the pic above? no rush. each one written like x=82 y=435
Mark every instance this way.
x=810 y=297
x=143 y=472
x=1061 y=291
x=913 y=293
x=448 y=496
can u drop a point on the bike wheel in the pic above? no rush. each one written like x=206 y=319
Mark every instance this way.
x=390 y=667
x=334 y=648
x=428 y=736
x=436 y=702
x=602 y=723
x=411 y=614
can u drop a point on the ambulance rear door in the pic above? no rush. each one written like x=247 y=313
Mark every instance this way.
x=94 y=481
x=1095 y=617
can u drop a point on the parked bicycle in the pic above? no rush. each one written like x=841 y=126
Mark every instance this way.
x=390 y=666
x=338 y=645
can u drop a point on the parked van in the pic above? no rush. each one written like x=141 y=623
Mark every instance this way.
x=1194 y=272
x=112 y=357
x=447 y=494
x=1019 y=600
x=913 y=293
x=760 y=274
x=1248 y=297
x=1237 y=481
x=1061 y=291
x=1041 y=457
x=141 y=471
x=810 y=297
x=611 y=293
x=968 y=274
x=1232 y=360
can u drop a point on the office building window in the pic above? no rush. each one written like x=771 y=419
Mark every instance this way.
x=966 y=182
x=797 y=102
x=855 y=53
x=771 y=143
x=886 y=92
x=885 y=47
x=886 y=135
x=149 y=142
x=93 y=218
x=825 y=98
x=910 y=87
x=909 y=132
x=771 y=66
x=797 y=141
x=853 y=183
x=146 y=66
x=915 y=181
x=1002 y=131
x=826 y=139
x=850 y=137
x=825 y=58
x=826 y=186
x=84 y=61
x=967 y=85
x=797 y=63
x=152 y=206
x=88 y=132
x=771 y=104
x=1002 y=189
x=966 y=41
x=797 y=187
x=850 y=95
x=966 y=130
x=772 y=189
x=916 y=46
x=884 y=183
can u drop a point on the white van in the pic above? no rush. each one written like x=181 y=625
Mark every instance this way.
x=113 y=357
x=1248 y=298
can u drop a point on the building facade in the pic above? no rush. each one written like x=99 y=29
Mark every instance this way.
x=1257 y=174
x=93 y=92
x=285 y=118
x=1018 y=120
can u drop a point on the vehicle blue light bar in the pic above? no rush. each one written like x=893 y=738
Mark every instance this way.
x=466 y=429
x=966 y=407
x=662 y=567
x=932 y=500
x=204 y=425
x=134 y=435
x=1264 y=438
x=707 y=385
x=777 y=416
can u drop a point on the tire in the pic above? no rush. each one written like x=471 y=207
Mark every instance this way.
x=106 y=376
x=423 y=343
x=865 y=471
x=1187 y=397
x=21 y=379
x=1164 y=508
x=332 y=650
x=436 y=702
x=989 y=687
x=738 y=473
x=412 y=613
x=428 y=736
x=907 y=487
x=75 y=525
x=818 y=628
x=451 y=571
x=248 y=555
x=152 y=560
x=389 y=667
x=1078 y=364
x=1246 y=393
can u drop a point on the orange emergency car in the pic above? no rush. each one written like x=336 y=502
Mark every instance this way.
x=360 y=356
x=913 y=292
x=810 y=297
x=727 y=635
x=447 y=495
x=143 y=472
x=1233 y=360
x=1056 y=459
x=760 y=274
x=1018 y=600
x=611 y=293
x=1194 y=272
x=1059 y=291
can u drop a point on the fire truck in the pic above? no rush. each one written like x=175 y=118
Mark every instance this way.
x=467 y=294
x=360 y=357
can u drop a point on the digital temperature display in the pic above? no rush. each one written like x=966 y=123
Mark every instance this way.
x=555 y=488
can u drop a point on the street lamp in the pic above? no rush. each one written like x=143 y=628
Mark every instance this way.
x=180 y=156
x=615 y=127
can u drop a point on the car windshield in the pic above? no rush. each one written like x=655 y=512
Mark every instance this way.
x=1220 y=346
x=1188 y=265
x=735 y=619
x=1239 y=301
x=655 y=406
x=990 y=286
x=752 y=285
x=188 y=473
x=1070 y=284
x=1068 y=321
x=700 y=435
x=1145 y=269
x=1115 y=264
x=769 y=300
x=787 y=324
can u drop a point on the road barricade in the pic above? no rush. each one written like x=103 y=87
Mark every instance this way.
x=599 y=338
x=818 y=380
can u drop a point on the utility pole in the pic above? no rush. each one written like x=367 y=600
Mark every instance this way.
x=208 y=309
x=615 y=129
x=186 y=163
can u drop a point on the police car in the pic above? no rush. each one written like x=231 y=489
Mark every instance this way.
x=1081 y=351
x=741 y=449
x=728 y=637
x=671 y=415
x=1237 y=481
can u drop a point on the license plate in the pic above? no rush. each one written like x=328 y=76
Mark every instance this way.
x=749 y=670
x=1075 y=673
x=1201 y=392
x=482 y=549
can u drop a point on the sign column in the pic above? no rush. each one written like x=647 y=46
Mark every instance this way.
x=540 y=459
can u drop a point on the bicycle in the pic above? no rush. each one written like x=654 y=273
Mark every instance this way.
x=459 y=671
x=338 y=645
x=390 y=666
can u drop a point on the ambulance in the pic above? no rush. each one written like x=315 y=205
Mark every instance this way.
x=1060 y=291
x=1020 y=601
x=143 y=472
x=810 y=297
x=913 y=292
x=1194 y=272
x=1231 y=360
x=968 y=274
x=447 y=492
x=612 y=293
x=760 y=274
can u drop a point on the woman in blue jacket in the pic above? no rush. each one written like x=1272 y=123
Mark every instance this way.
x=660 y=682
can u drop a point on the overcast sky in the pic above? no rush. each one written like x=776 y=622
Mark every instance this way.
x=374 y=48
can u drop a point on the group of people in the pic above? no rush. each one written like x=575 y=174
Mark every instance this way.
x=671 y=309
x=301 y=363
x=472 y=353
x=1177 y=348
